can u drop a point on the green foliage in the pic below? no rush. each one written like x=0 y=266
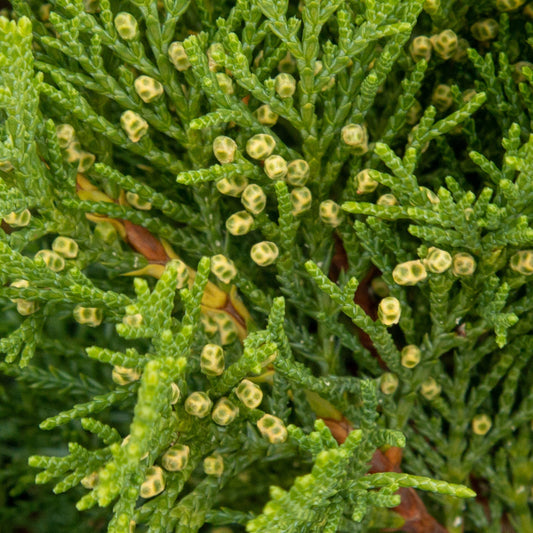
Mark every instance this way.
x=334 y=199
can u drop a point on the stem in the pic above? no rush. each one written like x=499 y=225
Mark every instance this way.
x=454 y=512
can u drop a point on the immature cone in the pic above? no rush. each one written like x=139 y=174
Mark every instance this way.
x=364 y=181
x=65 y=135
x=176 y=458
x=387 y=200
x=224 y=412
x=239 y=223
x=198 y=404
x=411 y=356
x=485 y=30
x=148 y=88
x=409 y=273
x=330 y=213
x=178 y=56
x=437 y=260
x=154 y=483
x=209 y=325
x=356 y=137
x=275 y=167
x=388 y=383
x=51 y=259
x=24 y=307
x=430 y=389
x=85 y=161
x=421 y=48
x=260 y=146
x=285 y=85
x=509 y=5
x=212 y=360
x=442 y=97
x=254 y=199
x=297 y=172
x=522 y=262
x=18 y=220
x=214 y=465
x=264 y=253
x=126 y=26
x=224 y=149
x=272 y=428
x=134 y=125
x=226 y=328
x=232 y=185
x=66 y=247
x=389 y=311
x=445 y=43
x=301 y=199
x=266 y=116
x=88 y=316
x=249 y=394
x=481 y=424
x=223 y=268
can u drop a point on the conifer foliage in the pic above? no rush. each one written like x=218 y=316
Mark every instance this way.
x=265 y=265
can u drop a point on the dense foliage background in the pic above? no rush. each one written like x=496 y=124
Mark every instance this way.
x=266 y=265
